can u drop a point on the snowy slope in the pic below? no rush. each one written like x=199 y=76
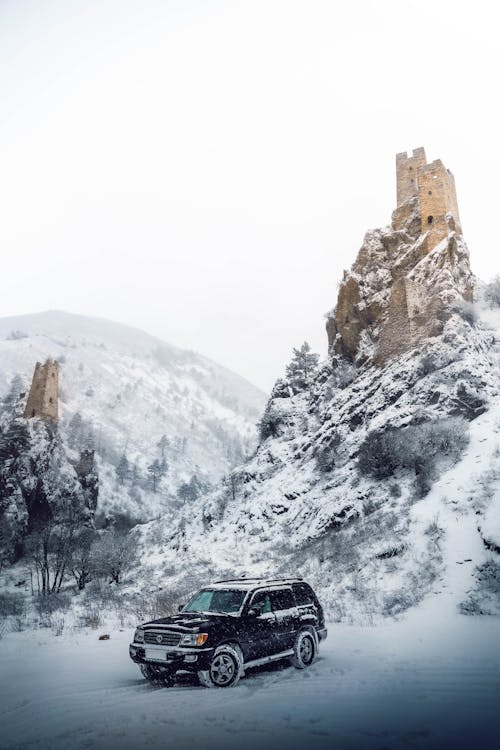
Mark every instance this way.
x=371 y=546
x=130 y=389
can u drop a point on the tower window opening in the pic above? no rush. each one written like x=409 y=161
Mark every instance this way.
x=33 y=413
x=51 y=401
x=430 y=219
x=430 y=192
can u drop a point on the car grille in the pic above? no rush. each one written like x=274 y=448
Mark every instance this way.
x=162 y=638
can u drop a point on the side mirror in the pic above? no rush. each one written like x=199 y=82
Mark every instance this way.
x=180 y=607
x=253 y=612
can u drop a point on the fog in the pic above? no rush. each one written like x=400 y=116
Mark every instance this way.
x=206 y=170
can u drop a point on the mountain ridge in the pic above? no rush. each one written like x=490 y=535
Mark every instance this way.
x=122 y=391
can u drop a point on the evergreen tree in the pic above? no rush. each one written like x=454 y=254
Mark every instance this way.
x=122 y=470
x=301 y=367
x=155 y=473
x=192 y=490
x=163 y=445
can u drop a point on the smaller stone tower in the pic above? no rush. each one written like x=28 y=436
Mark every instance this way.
x=43 y=396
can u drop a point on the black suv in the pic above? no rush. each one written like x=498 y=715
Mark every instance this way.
x=232 y=626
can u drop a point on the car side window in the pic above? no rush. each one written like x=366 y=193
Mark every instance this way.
x=262 y=601
x=303 y=594
x=282 y=599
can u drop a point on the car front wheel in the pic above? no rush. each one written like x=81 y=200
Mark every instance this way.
x=305 y=650
x=224 y=670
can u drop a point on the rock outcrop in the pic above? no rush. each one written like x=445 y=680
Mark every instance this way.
x=403 y=286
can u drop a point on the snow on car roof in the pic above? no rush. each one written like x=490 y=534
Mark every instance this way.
x=251 y=583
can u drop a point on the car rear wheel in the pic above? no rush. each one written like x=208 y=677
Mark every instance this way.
x=156 y=675
x=305 y=649
x=225 y=668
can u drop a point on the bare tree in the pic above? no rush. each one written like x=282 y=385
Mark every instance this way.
x=81 y=562
x=114 y=554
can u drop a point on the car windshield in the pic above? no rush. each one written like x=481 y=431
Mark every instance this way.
x=227 y=601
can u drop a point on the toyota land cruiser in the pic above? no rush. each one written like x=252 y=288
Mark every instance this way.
x=230 y=627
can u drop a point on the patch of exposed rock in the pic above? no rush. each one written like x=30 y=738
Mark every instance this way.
x=398 y=294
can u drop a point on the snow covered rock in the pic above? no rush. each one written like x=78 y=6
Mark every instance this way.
x=159 y=419
x=397 y=294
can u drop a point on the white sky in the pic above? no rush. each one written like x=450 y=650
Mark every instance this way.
x=206 y=170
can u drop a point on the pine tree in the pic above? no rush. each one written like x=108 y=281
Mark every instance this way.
x=155 y=473
x=163 y=444
x=302 y=367
x=122 y=470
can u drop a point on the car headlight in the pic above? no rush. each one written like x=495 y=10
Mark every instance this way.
x=139 y=636
x=193 y=639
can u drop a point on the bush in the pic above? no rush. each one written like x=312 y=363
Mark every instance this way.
x=414 y=448
x=271 y=420
x=12 y=604
x=91 y=618
x=467 y=311
x=344 y=374
x=326 y=453
x=47 y=604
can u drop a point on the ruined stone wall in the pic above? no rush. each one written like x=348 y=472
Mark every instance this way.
x=437 y=197
x=407 y=174
x=43 y=396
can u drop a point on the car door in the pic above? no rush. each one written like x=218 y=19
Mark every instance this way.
x=259 y=631
x=287 y=618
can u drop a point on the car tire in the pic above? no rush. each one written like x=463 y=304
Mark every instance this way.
x=158 y=676
x=225 y=669
x=305 y=649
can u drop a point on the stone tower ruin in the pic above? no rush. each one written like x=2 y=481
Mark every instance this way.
x=432 y=188
x=43 y=396
x=409 y=278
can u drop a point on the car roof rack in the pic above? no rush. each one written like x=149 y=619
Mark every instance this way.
x=263 y=579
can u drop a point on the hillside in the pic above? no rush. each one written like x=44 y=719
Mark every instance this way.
x=121 y=391
x=378 y=478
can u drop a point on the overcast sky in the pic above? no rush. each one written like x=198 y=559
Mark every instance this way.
x=206 y=170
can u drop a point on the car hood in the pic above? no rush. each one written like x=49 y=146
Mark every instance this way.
x=187 y=621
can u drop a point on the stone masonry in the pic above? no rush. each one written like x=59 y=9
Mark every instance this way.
x=407 y=279
x=434 y=187
x=43 y=396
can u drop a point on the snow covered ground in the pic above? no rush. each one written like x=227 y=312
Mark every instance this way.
x=413 y=683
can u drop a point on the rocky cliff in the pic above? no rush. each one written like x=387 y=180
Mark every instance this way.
x=364 y=475
x=398 y=293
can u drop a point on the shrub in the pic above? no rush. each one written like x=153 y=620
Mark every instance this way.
x=414 y=448
x=270 y=422
x=12 y=604
x=326 y=453
x=395 y=490
x=344 y=374
x=429 y=363
x=91 y=618
x=467 y=311
x=47 y=604
x=58 y=626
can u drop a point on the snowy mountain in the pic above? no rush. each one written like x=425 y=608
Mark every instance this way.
x=378 y=480
x=136 y=400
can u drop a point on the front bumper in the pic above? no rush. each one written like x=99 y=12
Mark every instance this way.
x=174 y=658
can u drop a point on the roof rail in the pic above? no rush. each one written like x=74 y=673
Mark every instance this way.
x=260 y=580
